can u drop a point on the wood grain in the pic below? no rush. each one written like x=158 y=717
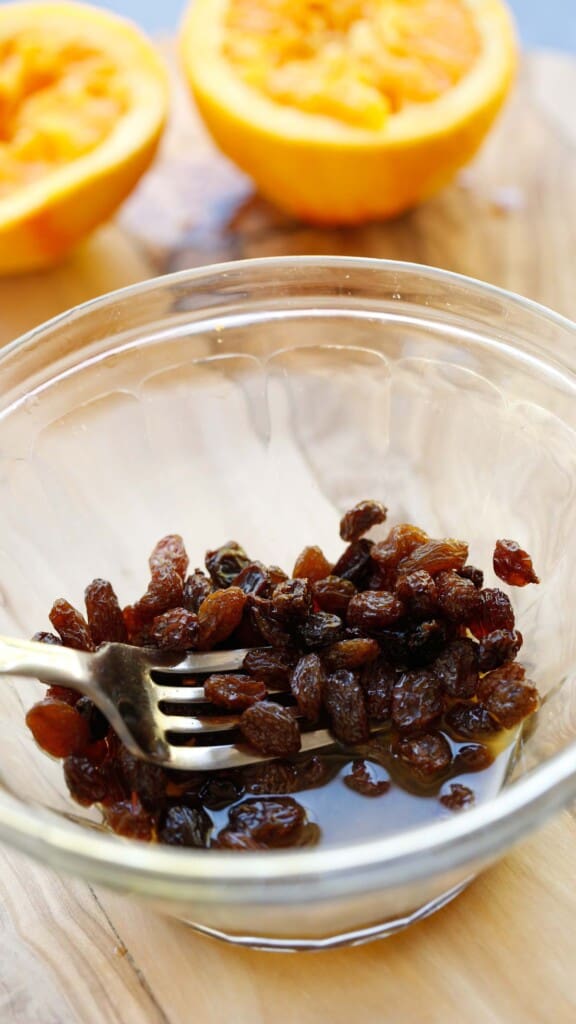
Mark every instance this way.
x=505 y=950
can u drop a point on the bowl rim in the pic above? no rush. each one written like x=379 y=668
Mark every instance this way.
x=478 y=834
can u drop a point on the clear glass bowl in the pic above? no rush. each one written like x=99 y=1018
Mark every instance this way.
x=258 y=400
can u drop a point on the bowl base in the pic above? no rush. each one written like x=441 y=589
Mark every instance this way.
x=358 y=937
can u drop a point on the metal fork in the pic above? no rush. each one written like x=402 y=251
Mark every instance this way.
x=119 y=680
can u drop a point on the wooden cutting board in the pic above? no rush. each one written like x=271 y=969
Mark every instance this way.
x=505 y=951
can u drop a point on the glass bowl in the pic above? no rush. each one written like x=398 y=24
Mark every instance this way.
x=258 y=400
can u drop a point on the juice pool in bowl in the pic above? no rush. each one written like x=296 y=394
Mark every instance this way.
x=260 y=401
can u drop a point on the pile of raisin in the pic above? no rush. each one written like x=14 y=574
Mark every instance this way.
x=398 y=638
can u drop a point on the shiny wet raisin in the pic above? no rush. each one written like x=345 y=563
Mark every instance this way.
x=272 y=777
x=320 y=629
x=240 y=841
x=494 y=611
x=169 y=549
x=175 y=630
x=333 y=594
x=436 y=556
x=105 y=619
x=271 y=627
x=354 y=563
x=147 y=780
x=185 y=826
x=374 y=610
x=417 y=701
x=344 y=702
x=457 y=597
x=457 y=668
x=377 y=681
x=418 y=593
x=399 y=543
x=413 y=646
x=58 y=727
x=272 y=821
x=259 y=580
x=470 y=572
x=471 y=720
x=225 y=563
x=292 y=600
x=312 y=565
x=165 y=591
x=71 y=626
x=307 y=682
x=511 y=701
x=511 y=671
x=473 y=757
x=350 y=653
x=219 y=615
x=234 y=692
x=428 y=755
x=272 y=730
x=457 y=797
x=87 y=782
x=196 y=588
x=273 y=667
x=498 y=647
x=129 y=819
x=219 y=791
x=362 y=518
x=513 y=565
x=366 y=778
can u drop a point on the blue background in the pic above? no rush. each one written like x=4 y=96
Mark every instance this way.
x=550 y=23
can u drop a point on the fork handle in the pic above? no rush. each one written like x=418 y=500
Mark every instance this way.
x=46 y=662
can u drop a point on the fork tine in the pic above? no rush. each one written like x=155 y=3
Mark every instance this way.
x=228 y=756
x=181 y=723
x=204 y=661
x=191 y=694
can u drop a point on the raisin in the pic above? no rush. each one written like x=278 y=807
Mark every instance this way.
x=513 y=565
x=344 y=701
x=414 y=645
x=273 y=821
x=474 y=757
x=307 y=684
x=354 y=563
x=196 y=589
x=63 y=693
x=234 y=692
x=470 y=720
x=457 y=798
x=220 y=791
x=470 y=572
x=457 y=668
x=225 y=563
x=374 y=610
x=165 y=591
x=399 y=543
x=377 y=681
x=510 y=701
x=175 y=630
x=292 y=600
x=494 y=611
x=510 y=671
x=47 y=638
x=97 y=722
x=129 y=819
x=228 y=840
x=256 y=579
x=58 y=728
x=350 y=653
x=185 y=826
x=219 y=615
x=313 y=772
x=320 y=629
x=105 y=619
x=457 y=597
x=87 y=782
x=273 y=667
x=268 y=623
x=498 y=647
x=312 y=565
x=428 y=755
x=364 y=779
x=418 y=593
x=362 y=518
x=71 y=626
x=272 y=777
x=333 y=594
x=147 y=780
x=416 y=701
x=271 y=729
x=170 y=549
x=436 y=556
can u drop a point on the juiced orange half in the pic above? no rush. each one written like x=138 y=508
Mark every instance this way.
x=83 y=98
x=346 y=110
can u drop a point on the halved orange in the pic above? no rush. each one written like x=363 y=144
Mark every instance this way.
x=83 y=99
x=346 y=110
